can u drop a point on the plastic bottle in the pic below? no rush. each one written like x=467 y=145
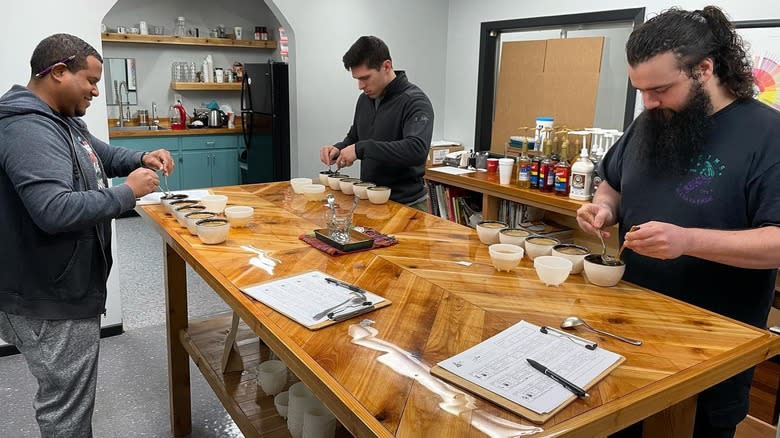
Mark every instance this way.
x=180 y=28
x=563 y=172
x=524 y=167
x=581 y=177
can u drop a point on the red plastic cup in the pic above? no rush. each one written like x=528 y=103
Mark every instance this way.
x=492 y=165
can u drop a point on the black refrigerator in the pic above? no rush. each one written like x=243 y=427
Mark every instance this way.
x=265 y=123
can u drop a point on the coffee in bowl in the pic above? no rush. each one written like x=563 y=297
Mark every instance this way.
x=536 y=246
x=514 y=236
x=603 y=273
x=212 y=231
x=191 y=218
x=333 y=180
x=574 y=253
x=324 y=176
x=572 y=250
x=487 y=231
x=168 y=202
x=378 y=194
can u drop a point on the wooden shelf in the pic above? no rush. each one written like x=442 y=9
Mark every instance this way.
x=560 y=209
x=486 y=183
x=252 y=410
x=192 y=86
x=185 y=41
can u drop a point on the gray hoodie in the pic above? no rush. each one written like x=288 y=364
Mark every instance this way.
x=55 y=221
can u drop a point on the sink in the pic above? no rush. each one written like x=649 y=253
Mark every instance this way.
x=136 y=128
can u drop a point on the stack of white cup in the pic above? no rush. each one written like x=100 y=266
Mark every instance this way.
x=307 y=417
x=272 y=376
x=505 y=166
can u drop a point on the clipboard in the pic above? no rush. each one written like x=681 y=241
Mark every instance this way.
x=301 y=296
x=516 y=406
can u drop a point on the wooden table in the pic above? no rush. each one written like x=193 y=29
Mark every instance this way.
x=379 y=385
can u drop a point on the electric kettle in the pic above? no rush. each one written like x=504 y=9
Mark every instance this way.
x=217 y=118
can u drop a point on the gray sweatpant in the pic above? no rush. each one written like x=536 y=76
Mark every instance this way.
x=63 y=357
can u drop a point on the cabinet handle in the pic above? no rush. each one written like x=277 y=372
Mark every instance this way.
x=210 y=143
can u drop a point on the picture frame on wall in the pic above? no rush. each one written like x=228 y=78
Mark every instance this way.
x=762 y=40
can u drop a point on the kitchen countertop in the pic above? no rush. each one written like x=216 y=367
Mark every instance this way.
x=171 y=133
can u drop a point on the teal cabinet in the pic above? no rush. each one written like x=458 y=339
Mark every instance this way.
x=224 y=168
x=195 y=169
x=201 y=160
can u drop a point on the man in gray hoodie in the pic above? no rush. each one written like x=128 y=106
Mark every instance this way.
x=55 y=227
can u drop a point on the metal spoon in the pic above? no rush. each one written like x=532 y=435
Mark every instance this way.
x=167 y=189
x=348 y=303
x=623 y=246
x=575 y=321
x=331 y=200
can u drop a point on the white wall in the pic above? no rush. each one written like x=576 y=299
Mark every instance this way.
x=464 y=21
x=324 y=93
x=80 y=18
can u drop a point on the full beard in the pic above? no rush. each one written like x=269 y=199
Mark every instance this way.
x=673 y=139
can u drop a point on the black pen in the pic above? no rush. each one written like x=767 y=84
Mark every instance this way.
x=345 y=285
x=579 y=392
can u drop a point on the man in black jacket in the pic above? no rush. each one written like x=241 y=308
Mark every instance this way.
x=392 y=128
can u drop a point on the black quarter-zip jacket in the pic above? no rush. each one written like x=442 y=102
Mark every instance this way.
x=392 y=139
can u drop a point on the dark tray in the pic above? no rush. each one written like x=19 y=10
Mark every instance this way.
x=357 y=240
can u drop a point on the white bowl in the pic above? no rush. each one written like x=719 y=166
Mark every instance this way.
x=333 y=180
x=282 y=403
x=215 y=203
x=314 y=192
x=298 y=183
x=574 y=253
x=488 y=231
x=173 y=205
x=505 y=256
x=515 y=236
x=239 y=215
x=346 y=185
x=378 y=194
x=552 y=270
x=192 y=217
x=212 y=231
x=361 y=189
x=166 y=202
x=181 y=211
x=324 y=176
x=602 y=275
x=539 y=246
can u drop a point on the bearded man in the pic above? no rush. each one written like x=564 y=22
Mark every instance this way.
x=698 y=172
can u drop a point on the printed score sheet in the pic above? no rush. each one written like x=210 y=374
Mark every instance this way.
x=499 y=365
x=302 y=296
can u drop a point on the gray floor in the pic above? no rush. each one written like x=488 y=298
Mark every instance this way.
x=132 y=395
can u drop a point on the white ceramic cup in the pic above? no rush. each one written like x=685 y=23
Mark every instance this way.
x=505 y=167
x=143 y=27
x=272 y=376
x=318 y=422
x=301 y=399
x=282 y=403
x=215 y=203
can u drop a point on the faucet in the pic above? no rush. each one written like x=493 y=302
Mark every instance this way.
x=155 y=120
x=122 y=118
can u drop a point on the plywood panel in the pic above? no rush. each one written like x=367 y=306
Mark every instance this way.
x=563 y=85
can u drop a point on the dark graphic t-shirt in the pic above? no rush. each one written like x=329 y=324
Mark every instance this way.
x=734 y=184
